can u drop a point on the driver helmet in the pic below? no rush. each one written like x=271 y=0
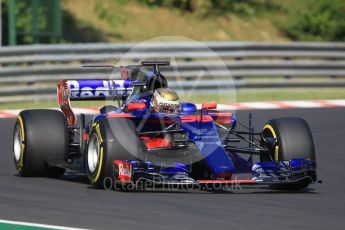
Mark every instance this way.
x=165 y=100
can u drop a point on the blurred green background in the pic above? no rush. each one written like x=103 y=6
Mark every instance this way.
x=203 y=20
x=123 y=21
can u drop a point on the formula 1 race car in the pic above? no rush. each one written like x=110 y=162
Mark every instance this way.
x=152 y=138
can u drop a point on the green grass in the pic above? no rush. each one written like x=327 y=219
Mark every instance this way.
x=222 y=20
x=273 y=95
x=127 y=21
x=291 y=94
x=241 y=96
x=19 y=227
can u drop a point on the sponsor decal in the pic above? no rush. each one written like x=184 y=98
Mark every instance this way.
x=125 y=171
x=97 y=88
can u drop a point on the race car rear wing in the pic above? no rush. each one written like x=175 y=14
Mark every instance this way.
x=155 y=64
x=98 y=89
x=91 y=90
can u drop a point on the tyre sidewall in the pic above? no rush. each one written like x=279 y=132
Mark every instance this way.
x=115 y=136
x=294 y=138
x=46 y=141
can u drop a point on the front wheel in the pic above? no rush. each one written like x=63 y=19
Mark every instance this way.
x=292 y=139
x=111 y=139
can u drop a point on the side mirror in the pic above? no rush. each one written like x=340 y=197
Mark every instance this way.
x=209 y=105
x=136 y=106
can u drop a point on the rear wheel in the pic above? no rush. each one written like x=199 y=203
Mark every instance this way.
x=111 y=139
x=40 y=139
x=293 y=140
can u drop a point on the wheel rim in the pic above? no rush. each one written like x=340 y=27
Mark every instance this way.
x=93 y=153
x=17 y=143
x=268 y=131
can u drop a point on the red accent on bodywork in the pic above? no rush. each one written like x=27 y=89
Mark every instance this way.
x=209 y=105
x=86 y=137
x=221 y=118
x=196 y=118
x=125 y=171
x=225 y=176
x=65 y=103
x=128 y=115
x=156 y=142
x=227 y=181
x=136 y=106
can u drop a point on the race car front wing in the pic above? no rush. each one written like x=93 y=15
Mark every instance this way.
x=141 y=174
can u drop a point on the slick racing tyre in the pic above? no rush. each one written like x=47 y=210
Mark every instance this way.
x=40 y=139
x=110 y=139
x=294 y=140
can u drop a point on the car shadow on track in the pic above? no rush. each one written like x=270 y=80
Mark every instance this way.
x=218 y=192
x=267 y=191
x=74 y=178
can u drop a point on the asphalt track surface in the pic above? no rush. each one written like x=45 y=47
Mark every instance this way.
x=73 y=203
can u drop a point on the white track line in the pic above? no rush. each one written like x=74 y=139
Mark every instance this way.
x=303 y=104
x=39 y=225
x=336 y=102
x=259 y=105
